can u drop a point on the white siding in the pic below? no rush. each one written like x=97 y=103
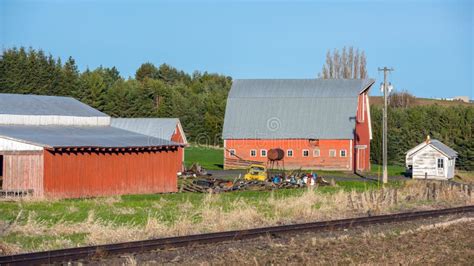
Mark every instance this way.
x=46 y=120
x=425 y=164
x=12 y=145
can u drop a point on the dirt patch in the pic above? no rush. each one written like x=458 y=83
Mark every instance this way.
x=443 y=241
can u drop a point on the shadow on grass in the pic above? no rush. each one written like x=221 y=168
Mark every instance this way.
x=221 y=166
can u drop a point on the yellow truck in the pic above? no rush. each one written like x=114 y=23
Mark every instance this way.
x=256 y=172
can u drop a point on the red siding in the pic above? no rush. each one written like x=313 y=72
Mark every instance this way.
x=362 y=135
x=23 y=172
x=177 y=137
x=324 y=161
x=73 y=175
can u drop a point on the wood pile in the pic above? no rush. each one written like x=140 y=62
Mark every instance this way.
x=220 y=185
x=239 y=163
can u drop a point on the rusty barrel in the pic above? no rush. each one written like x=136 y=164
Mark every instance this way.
x=275 y=154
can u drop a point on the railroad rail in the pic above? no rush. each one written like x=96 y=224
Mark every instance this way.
x=101 y=251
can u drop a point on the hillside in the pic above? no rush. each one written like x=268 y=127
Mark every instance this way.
x=378 y=100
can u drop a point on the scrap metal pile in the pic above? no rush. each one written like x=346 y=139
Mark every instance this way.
x=219 y=185
x=195 y=170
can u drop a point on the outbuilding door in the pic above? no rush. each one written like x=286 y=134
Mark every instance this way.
x=441 y=164
x=360 y=159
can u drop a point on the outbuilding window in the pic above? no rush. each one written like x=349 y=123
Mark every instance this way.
x=232 y=152
x=263 y=153
x=440 y=163
x=343 y=153
x=289 y=153
x=253 y=153
x=305 y=153
x=316 y=153
x=332 y=153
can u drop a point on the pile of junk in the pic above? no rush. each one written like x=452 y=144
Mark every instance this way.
x=256 y=178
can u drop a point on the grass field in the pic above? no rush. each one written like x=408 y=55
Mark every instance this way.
x=208 y=157
x=466 y=177
x=33 y=225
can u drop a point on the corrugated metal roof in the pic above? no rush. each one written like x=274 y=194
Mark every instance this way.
x=292 y=109
x=297 y=88
x=69 y=136
x=19 y=104
x=444 y=148
x=155 y=127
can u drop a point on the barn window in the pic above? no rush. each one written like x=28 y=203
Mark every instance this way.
x=263 y=153
x=343 y=153
x=289 y=153
x=440 y=163
x=332 y=153
x=232 y=152
x=316 y=153
x=305 y=153
x=253 y=153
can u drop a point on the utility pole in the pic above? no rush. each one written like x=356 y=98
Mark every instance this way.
x=385 y=88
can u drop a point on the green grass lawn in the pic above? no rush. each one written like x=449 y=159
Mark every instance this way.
x=209 y=158
x=393 y=170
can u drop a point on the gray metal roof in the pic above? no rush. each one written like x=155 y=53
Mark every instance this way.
x=297 y=88
x=155 y=127
x=292 y=108
x=19 y=104
x=443 y=148
x=70 y=136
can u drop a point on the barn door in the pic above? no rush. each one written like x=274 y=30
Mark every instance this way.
x=360 y=159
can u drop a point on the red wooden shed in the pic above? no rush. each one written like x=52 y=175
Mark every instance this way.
x=72 y=152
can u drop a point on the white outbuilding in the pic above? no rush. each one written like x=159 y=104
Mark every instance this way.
x=431 y=159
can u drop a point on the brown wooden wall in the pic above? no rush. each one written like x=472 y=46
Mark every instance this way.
x=23 y=171
x=74 y=175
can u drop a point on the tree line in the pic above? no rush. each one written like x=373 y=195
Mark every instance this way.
x=198 y=100
x=409 y=126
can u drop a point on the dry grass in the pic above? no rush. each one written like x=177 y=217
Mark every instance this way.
x=466 y=177
x=211 y=217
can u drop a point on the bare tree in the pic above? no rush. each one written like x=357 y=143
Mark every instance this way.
x=363 y=66
x=356 y=65
x=347 y=65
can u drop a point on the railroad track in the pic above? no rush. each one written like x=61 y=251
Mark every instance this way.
x=92 y=252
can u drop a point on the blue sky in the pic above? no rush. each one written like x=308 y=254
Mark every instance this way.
x=429 y=43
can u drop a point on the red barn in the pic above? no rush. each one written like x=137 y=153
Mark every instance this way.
x=320 y=124
x=58 y=147
x=164 y=128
